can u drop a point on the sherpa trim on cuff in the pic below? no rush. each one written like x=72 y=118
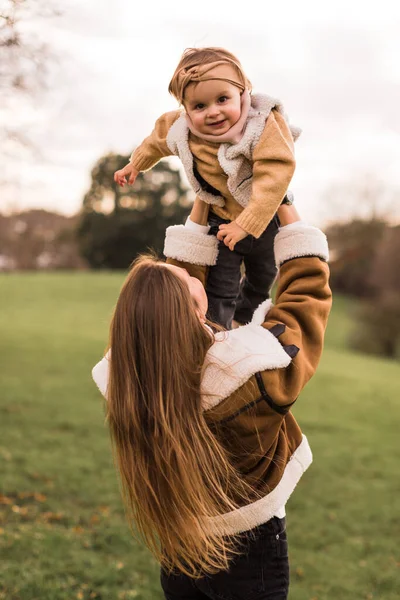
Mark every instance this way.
x=189 y=246
x=297 y=240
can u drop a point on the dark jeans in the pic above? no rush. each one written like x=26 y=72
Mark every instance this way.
x=260 y=573
x=229 y=295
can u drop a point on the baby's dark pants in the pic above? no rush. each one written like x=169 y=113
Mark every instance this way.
x=231 y=296
x=261 y=572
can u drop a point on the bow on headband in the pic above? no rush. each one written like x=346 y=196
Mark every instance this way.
x=221 y=70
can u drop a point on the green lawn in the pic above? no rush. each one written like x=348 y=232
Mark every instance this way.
x=62 y=529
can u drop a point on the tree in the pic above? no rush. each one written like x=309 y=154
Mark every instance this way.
x=38 y=239
x=353 y=247
x=363 y=197
x=385 y=272
x=118 y=223
x=366 y=205
x=24 y=62
x=378 y=319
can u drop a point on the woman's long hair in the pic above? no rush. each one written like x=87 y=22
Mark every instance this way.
x=175 y=474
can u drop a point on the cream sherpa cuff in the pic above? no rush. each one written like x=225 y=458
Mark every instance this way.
x=299 y=239
x=190 y=246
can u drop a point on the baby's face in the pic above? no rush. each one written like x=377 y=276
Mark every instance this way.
x=213 y=106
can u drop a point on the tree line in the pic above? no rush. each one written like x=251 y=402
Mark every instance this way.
x=115 y=224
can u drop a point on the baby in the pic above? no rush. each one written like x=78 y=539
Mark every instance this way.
x=238 y=154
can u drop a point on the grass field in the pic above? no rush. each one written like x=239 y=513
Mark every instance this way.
x=62 y=529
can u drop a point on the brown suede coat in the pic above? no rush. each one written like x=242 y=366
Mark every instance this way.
x=253 y=375
x=259 y=429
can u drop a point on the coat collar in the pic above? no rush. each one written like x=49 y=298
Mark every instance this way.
x=238 y=354
x=233 y=358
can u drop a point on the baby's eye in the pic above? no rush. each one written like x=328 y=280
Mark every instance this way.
x=222 y=98
x=199 y=106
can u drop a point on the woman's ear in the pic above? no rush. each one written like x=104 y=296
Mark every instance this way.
x=199 y=312
x=201 y=315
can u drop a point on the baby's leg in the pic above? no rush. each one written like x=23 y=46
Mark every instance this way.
x=223 y=279
x=260 y=273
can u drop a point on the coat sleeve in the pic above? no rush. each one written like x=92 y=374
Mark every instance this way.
x=273 y=167
x=154 y=147
x=190 y=247
x=303 y=301
x=300 y=314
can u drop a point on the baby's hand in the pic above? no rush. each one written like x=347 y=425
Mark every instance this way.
x=128 y=171
x=231 y=234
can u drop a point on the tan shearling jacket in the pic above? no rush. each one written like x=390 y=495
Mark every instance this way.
x=246 y=181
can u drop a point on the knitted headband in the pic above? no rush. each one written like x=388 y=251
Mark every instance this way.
x=220 y=70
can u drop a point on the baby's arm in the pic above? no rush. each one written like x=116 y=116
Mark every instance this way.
x=150 y=151
x=273 y=167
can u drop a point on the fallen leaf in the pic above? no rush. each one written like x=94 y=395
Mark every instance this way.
x=94 y=519
x=39 y=477
x=104 y=510
x=52 y=516
x=78 y=529
x=5 y=500
x=39 y=497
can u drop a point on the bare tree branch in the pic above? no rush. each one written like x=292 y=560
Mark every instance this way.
x=25 y=69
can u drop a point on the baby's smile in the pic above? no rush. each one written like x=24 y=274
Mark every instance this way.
x=213 y=106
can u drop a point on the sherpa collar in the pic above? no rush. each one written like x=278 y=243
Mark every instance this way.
x=232 y=359
x=238 y=354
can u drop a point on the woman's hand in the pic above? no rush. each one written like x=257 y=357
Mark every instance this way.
x=231 y=234
x=128 y=171
x=287 y=214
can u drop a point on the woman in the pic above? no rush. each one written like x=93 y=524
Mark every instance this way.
x=207 y=448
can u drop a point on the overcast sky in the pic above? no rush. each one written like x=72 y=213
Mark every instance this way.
x=335 y=67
